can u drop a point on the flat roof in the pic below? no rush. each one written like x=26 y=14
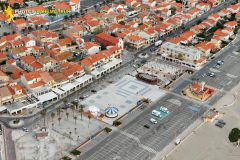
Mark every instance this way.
x=47 y=96
x=84 y=78
x=182 y=49
x=67 y=87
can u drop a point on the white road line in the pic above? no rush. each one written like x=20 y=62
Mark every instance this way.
x=139 y=143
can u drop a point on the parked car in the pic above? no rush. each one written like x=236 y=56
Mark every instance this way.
x=221 y=121
x=25 y=129
x=220 y=125
x=81 y=97
x=93 y=91
x=211 y=74
x=177 y=141
x=217 y=66
x=220 y=62
x=153 y=121
x=147 y=126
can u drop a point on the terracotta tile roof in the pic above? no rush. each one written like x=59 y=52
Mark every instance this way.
x=63 y=56
x=37 y=84
x=135 y=38
x=17 y=43
x=20 y=21
x=71 y=69
x=62 y=6
x=3 y=55
x=220 y=33
x=38 y=20
x=31 y=76
x=93 y=23
x=65 y=41
x=3 y=17
x=10 y=61
x=11 y=2
x=58 y=77
x=231 y=23
x=188 y=34
x=75 y=1
x=107 y=37
x=193 y=11
x=18 y=50
x=89 y=45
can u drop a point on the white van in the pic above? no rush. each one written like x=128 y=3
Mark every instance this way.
x=156 y=113
x=153 y=121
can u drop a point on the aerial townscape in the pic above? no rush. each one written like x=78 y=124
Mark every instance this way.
x=119 y=79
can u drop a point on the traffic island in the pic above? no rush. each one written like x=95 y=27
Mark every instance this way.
x=16 y=123
x=198 y=91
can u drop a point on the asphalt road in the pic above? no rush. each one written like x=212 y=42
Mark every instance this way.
x=10 y=153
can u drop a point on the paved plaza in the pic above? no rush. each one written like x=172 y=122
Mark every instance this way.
x=124 y=95
x=64 y=135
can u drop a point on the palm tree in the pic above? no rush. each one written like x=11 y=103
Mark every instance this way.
x=59 y=119
x=65 y=100
x=75 y=118
x=44 y=113
x=81 y=110
x=73 y=109
x=58 y=111
x=89 y=118
x=67 y=114
x=52 y=115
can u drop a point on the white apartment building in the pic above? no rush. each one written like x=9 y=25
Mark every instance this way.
x=184 y=55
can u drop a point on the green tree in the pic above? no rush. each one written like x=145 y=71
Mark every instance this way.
x=98 y=30
x=16 y=6
x=65 y=100
x=67 y=114
x=89 y=118
x=234 y=136
x=75 y=119
x=59 y=119
x=173 y=10
x=81 y=110
x=52 y=115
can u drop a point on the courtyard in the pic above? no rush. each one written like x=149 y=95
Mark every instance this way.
x=124 y=95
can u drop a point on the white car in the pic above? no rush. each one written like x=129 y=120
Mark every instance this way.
x=153 y=121
x=177 y=141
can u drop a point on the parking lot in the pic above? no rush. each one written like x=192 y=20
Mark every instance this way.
x=134 y=141
x=182 y=114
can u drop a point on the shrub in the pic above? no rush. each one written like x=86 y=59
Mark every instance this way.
x=66 y=158
x=108 y=130
x=117 y=123
x=16 y=121
x=75 y=152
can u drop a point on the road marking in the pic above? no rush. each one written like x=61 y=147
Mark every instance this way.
x=138 y=142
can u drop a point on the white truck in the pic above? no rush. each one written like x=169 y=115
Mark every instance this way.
x=158 y=43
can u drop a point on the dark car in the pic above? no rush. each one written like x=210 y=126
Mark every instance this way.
x=93 y=91
x=221 y=121
x=220 y=125
x=211 y=74
x=81 y=97
x=146 y=126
